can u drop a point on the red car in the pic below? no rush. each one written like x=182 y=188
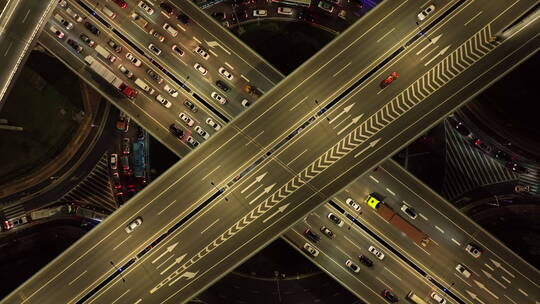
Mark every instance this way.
x=120 y=3
x=388 y=80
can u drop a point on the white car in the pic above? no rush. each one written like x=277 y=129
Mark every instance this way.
x=171 y=90
x=170 y=29
x=213 y=124
x=335 y=219
x=423 y=14
x=473 y=250
x=186 y=119
x=463 y=270
x=134 y=224
x=259 y=13
x=202 y=132
x=192 y=142
x=352 y=203
x=219 y=98
x=200 y=68
x=285 y=11
x=310 y=250
x=435 y=296
x=245 y=103
x=409 y=211
x=167 y=104
x=199 y=50
x=125 y=71
x=154 y=49
x=225 y=73
x=74 y=15
x=133 y=59
x=376 y=252
x=114 y=161
x=146 y=7
x=352 y=266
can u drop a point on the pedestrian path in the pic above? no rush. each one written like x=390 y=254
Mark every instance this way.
x=13 y=211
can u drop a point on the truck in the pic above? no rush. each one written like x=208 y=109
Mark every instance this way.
x=104 y=53
x=138 y=159
x=110 y=77
x=90 y=214
x=44 y=213
x=253 y=90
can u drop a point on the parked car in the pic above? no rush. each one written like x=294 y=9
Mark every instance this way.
x=87 y=40
x=176 y=131
x=115 y=46
x=219 y=98
x=312 y=235
x=75 y=45
x=259 y=13
x=310 y=250
x=125 y=71
x=365 y=260
x=114 y=161
x=423 y=14
x=352 y=203
x=202 y=132
x=438 y=298
x=202 y=52
x=154 y=76
x=352 y=266
x=335 y=219
x=186 y=119
x=225 y=73
x=463 y=270
x=92 y=28
x=134 y=224
x=390 y=296
x=190 y=106
x=192 y=142
x=388 y=80
x=126 y=145
x=409 y=211
x=213 y=124
x=376 y=252
x=473 y=250
x=327 y=232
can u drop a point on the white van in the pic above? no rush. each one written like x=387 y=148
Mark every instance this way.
x=171 y=30
x=105 y=54
x=141 y=84
x=108 y=12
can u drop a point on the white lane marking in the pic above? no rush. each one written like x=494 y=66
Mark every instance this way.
x=523 y=292
x=209 y=173
x=296 y=157
x=390 y=191
x=77 y=277
x=374 y=179
x=25 y=16
x=249 y=194
x=340 y=70
x=138 y=301
x=512 y=300
x=384 y=283
x=230 y=66
x=217 y=220
x=165 y=261
x=459 y=277
x=507 y=280
x=425 y=251
x=392 y=273
x=213 y=53
x=474 y=17
x=166 y=207
x=245 y=78
x=120 y=296
x=122 y=242
x=489 y=266
x=423 y=216
x=316 y=215
x=434 y=242
x=454 y=240
x=7 y=50
x=249 y=142
x=196 y=39
x=379 y=40
x=439 y=228
x=181 y=27
x=299 y=103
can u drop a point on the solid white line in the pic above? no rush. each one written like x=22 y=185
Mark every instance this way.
x=209 y=226
x=439 y=228
x=122 y=242
x=162 y=263
x=386 y=34
x=77 y=277
x=340 y=70
x=316 y=215
x=25 y=16
x=120 y=296
x=423 y=216
x=7 y=50
x=507 y=280
x=390 y=191
x=249 y=194
x=296 y=105
x=210 y=172
x=296 y=157
x=454 y=240
x=474 y=17
x=249 y=142
x=230 y=66
x=374 y=179
x=392 y=273
x=459 y=277
x=166 y=207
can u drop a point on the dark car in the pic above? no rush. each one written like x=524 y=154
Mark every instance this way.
x=312 y=235
x=183 y=18
x=92 y=28
x=365 y=260
x=120 y=3
x=502 y=155
x=140 y=133
x=461 y=129
x=219 y=16
x=480 y=144
x=154 y=76
x=114 y=46
x=75 y=45
x=167 y=8
x=87 y=40
x=176 y=131
x=190 y=106
x=220 y=84
x=391 y=297
x=516 y=168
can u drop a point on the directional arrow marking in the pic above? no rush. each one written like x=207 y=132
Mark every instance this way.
x=257 y=179
x=438 y=54
x=499 y=265
x=169 y=249
x=482 y=286
x=354 y=120
x=280 y=210
x=490 y=276
x=433 y=41
x=265 y=191
x=371 y=145
x=475 y=297
x=213 y=44
x=178 y=260
x=345 y=110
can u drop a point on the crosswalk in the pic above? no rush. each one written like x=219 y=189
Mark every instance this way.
x=13 y=211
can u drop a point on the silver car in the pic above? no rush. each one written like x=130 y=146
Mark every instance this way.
x=134 y=224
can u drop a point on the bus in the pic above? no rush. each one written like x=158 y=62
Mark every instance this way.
x=414 y=298
x=304 y=3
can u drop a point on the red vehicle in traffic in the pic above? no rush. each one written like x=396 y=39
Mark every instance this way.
x=388 y=80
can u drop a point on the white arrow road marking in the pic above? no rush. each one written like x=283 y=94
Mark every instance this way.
x=482 y=286
x=213 y=44
x=438 y=54
x=371 y=145
x=257 y=179
x=433 y=41
x=345 y=110
x=499 y=265
x=167 y=250
x=178 y=260
x=280 y=210
x=265 y=191
x=487 y=274
x=355 y=120
x=475 y=297
x=187 y=274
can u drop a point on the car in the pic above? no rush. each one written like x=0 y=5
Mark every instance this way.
x=225 y=73
x=140 y=133
x=438 y=298
x=463 y=270
x=190 y=106
x=57 y=32
x=409 y=211
x=156 y=35
x=192 y=142
x=463 y=130
x=124 y=160
x=219 y=16
x=87 y=40
x=285 y=10
x=114 y=46
x=473 y=250
x=68 y=25
x=202 y=132
x=172 y=91
x=200 y=68
x=75 y=45
x=480 y=144
x=122 y=123
x=114 y=161
x=15 y=222
x=365 y=260
x=120 y=3
x=388 y=80
x=170 y=29
x=326 y=6
x=213 y=124
x=125 y=71
x=389 y=295
x=108 y=12
x=352 y=266
x=154 y=76
x=183 y=18
x=176 y=131
x=219 y=98
x=342 y=14
x=335 y=219
x=186 y=119
x=177 y=50
x=220 y=84
x=203 y=53
x=116 y=181
x=167 y=104
x=502 y=155
x=310 y=250
x=92 y=28
x=126 y=145
x=245 y=103
x=312 y=235
x=327 y=232
x=62 y=3
x=154 y=49
x=423 y=14
x=376 y=252
x=74 y=15
x=260 y=13
x=516 y=168
x=167 y=8
x=134 y=224
x=352 y=203
x=133 y=59
x=146 y=7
